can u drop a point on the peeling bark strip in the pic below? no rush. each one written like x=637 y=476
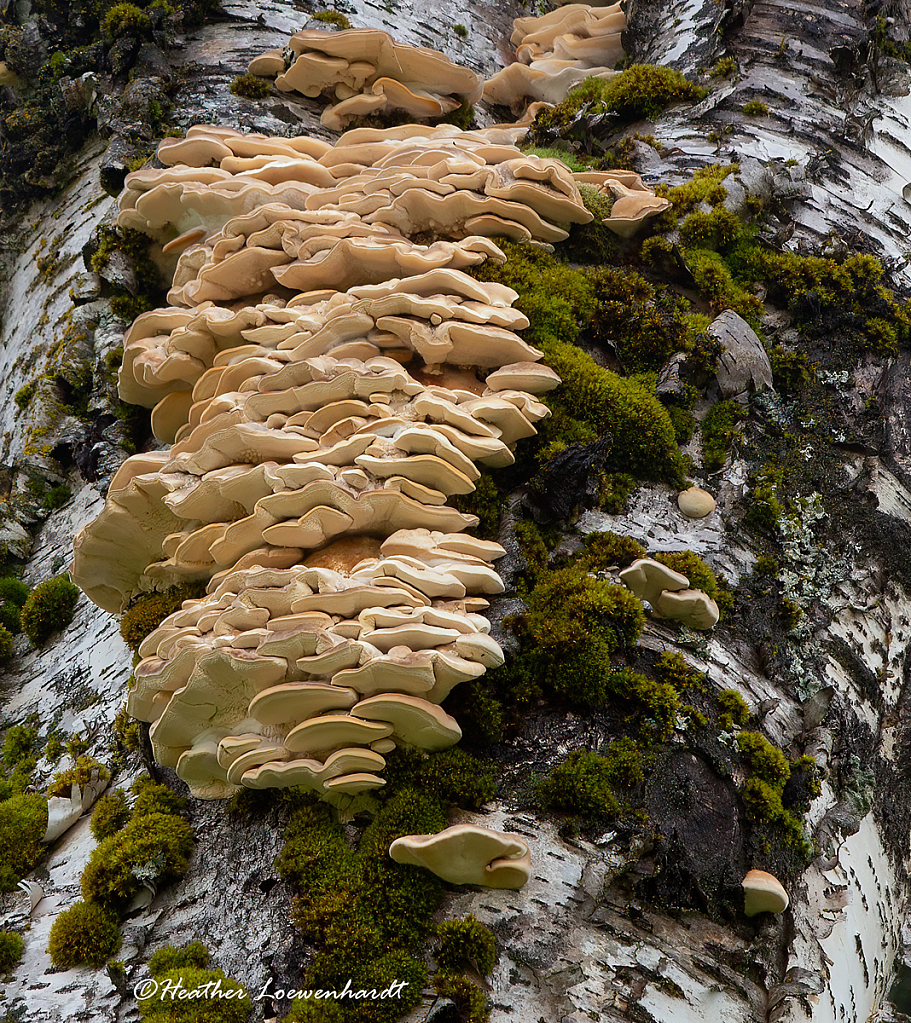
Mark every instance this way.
x=341 y=427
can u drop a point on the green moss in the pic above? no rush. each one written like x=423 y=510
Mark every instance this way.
x=644 y=440
x=532 y=545
x=734 y=710
x=356 y=902
x=251 y=86
x=153 y=846
x=152 y=797
x=789 y=613
x=23 y=397
x=85 y=769
x=718 y=430
x=581 y=785
x=454 y=777
x=613 y=492
x=85 y=934
x=574 y=623
x=765 y=509
x=657 y=701
x=469 y=999
x=791 y=371
x=641 y=91
x=11 y=945
x=332 y=18
x=147 y=611
x=718 y=229
x=18 y=745
x=687 y=563
x=23 y=822
x=125 y=19
x=766 y=761
x=174 y=957
x=460 y=31
x=724 y=68
x=609 y=550
x=49 y=608
x=755 y=108
x=110 y=814
x=161 y=1008
x=464 y=944
x=644 y=326
x=576 y=163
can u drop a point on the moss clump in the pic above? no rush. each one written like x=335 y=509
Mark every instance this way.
x=149 y=610
x=460 y=31
x=85 y=934
x=462 y=944
x=251 y=86
x=533 y=547
x=187 y=967
x=718 y=429
x=592 y=401
x=154 y=798
x=792 y=372
x=657 y=701
x=173 y=957
x=765 y=510
x=332 y=18
x=641 y=91
x=762 y=794
x=125 y=19
x=11 y=946
x=85 y=770
x=755 y=108
x=369 y=915
x=454 y=777
x=49 y=608
x=23 y=821
x=733 y=708
x=609 y=550
x=18 y=744
x=469 y=999
x=581 y=785
x=23 y=397
x=572 y=160
x=645 y=326
x=154 y=846
x=575 y=622
x=724 y=68
x=110 y=814
x=643 y=435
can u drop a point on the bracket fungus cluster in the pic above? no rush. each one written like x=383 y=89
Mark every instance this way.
x=468 y=854
x=669 y=594
x=325 y=385
x=556 y=52
x=368 y=72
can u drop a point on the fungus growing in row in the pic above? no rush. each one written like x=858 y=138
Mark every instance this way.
x=326 y=385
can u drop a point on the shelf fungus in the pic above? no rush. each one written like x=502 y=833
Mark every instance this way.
x=556 y=52
x=365 y=71
x=763 y=893
x=467 y=854
x=669 y=594
x=324 y=386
